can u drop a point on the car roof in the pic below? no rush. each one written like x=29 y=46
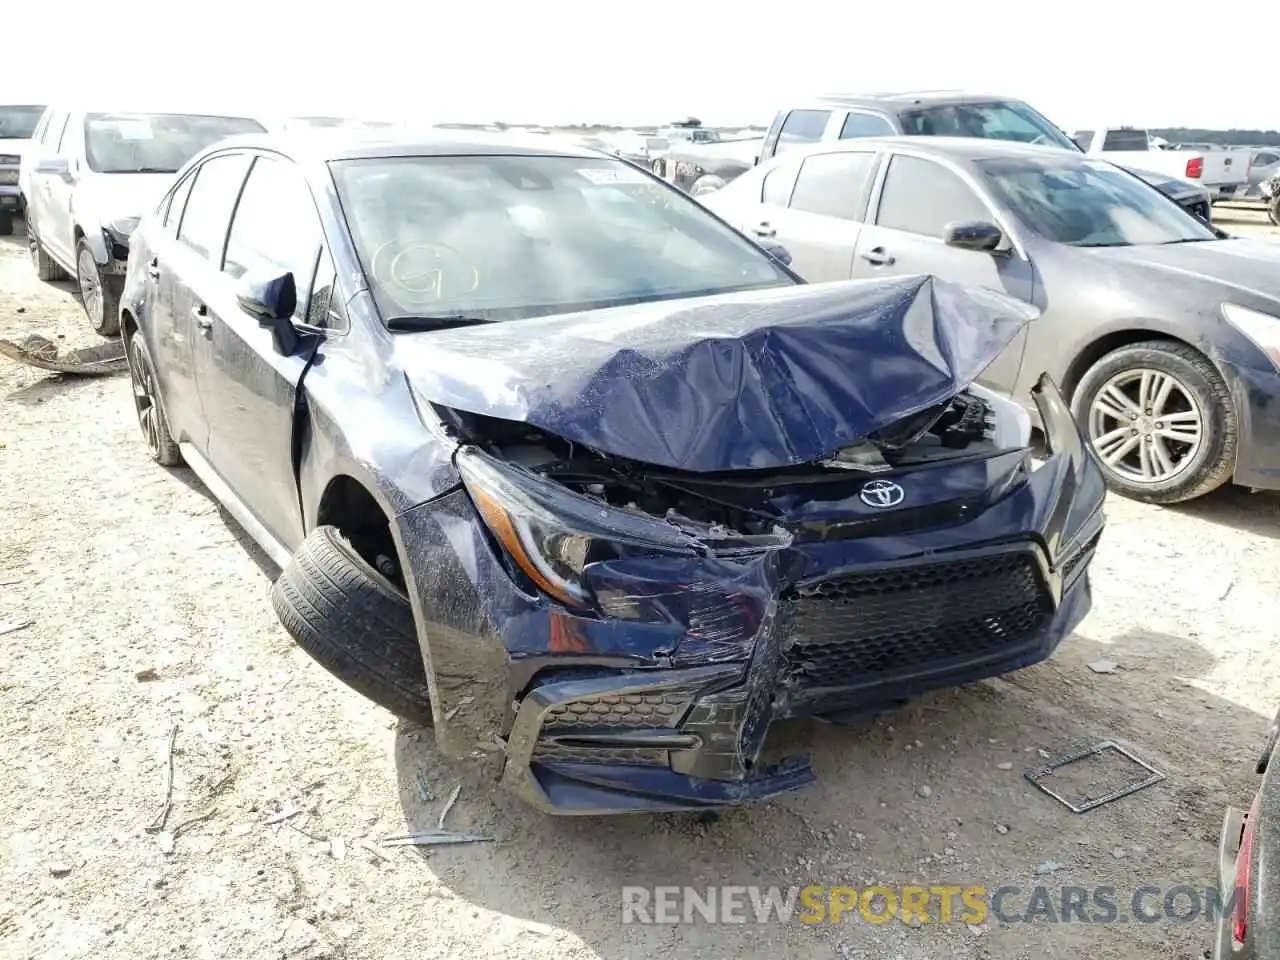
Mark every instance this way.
x=955 y=148
x=906 y=98
x=339 y=144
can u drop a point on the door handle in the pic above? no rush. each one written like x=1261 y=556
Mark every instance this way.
x=153 y=268
x=201 y=316
x=878 y=257
x=764 y=229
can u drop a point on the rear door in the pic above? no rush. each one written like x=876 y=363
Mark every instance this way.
x=247 y=388
x=917 y=198
x=820 y=220
x=192 y=269
x=40 y=185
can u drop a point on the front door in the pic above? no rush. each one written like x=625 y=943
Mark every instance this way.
x=918 y=197
x=247 y=387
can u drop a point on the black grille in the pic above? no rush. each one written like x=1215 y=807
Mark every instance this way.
x=907 y=620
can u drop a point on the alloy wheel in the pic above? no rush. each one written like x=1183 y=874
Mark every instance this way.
x=90 y=286
x=1145 y=425
x=144 y=395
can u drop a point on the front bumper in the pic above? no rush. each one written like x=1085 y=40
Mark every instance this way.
x=1255 y=393
x=664 y=703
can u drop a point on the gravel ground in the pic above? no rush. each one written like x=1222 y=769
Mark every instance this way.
x=149 y=614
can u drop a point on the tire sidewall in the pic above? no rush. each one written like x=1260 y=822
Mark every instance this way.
x=101 y=324
x=138 y=343
x=1215 y=427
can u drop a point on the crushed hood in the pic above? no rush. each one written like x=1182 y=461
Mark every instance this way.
x=754 y=380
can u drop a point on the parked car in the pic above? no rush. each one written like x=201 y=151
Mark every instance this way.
x=1162 y=330
x=915 y=113
x=1248 y=851
x=17 y=124
x=1265 y=165
x=1224 y=171
x=87 y=178
x=555 y=459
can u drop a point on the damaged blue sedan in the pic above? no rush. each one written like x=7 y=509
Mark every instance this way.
x=554 y=460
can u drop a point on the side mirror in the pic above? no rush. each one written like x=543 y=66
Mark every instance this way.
x=777 y=251
x=57 y=166
x=271 y=300
x=979 y=235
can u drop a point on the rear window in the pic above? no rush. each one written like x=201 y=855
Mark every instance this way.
x=1126 y=140
x=993 y=120
x=19 y=123
x=154 y=142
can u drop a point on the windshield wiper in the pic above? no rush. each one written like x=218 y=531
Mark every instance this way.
x=143 y=170
x=421 y=324
x=1165 y=243
x=1099 y=243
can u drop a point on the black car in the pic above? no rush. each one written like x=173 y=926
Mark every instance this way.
x=552 y=456
x=1248 y=857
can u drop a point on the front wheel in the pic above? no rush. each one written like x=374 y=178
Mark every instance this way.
x=99 y=294
x=6 y=224
x=1273 y=210
x=146 y=401
x=1158 y=417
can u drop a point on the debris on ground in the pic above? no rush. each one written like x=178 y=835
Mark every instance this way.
x=1102 y=666
x=282 y=815
x=158 y=823
x=13 y=626
x=42 y=353
x=1048 y=867
x=1004 y=766
x=59 y=869
x=434 y=838
x=146 y=675
x=453 y=798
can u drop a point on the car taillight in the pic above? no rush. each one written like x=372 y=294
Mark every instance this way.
x=1195 y=167
x=1240 y=916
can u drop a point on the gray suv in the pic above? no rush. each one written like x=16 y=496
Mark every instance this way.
x=17 y=123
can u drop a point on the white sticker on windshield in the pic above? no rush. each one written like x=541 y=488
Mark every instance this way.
x=619 y=173
x=134 y=129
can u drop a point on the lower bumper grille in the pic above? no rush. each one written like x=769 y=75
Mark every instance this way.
x=872 y=626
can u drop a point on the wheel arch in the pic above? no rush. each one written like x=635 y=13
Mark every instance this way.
x=1098 y=348
x=93 y=240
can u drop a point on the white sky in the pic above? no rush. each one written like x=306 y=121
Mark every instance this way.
x=1082 y=63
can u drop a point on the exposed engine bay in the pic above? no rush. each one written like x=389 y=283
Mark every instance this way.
x=754 y=502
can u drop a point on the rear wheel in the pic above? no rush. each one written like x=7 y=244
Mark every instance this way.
x=1159 y=418
x=146 y=400
x=45 y=266
x=1273 y=210
x=99 y=294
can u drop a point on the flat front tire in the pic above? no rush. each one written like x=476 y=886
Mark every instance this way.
x=354 y=622
x=1159 y=418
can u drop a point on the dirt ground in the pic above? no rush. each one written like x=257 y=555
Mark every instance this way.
x=148 y=613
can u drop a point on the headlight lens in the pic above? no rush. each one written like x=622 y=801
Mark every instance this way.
x=1012 y=427
x=1262 y=328
x=552 y=533
x=124 y=226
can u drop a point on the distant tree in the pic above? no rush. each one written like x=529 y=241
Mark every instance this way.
x=1227 y=138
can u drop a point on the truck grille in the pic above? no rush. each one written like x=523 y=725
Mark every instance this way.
x=906 y=620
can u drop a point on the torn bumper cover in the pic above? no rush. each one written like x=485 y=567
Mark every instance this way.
x=652 y=685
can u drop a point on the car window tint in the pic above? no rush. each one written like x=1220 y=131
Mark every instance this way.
x=834 y=185
x=1126 y=140
x=920 y=196
x=865 y=125
x=275 y=229
x=801 y=127
x=776 y=189
x=209 y=205
x=177 y=200
x=325 y=308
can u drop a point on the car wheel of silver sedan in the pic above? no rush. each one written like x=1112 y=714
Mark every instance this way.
x=146 y=401
x=1158 y=417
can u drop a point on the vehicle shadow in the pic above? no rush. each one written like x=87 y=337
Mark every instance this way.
x=869 y=818
x=49 y=384
x=1237 y=508
x=264 y=563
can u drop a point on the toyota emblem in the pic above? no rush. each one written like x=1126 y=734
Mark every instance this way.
x=881 y=493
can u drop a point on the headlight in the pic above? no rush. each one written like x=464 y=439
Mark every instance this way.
x=552 y=533
x=123 y=226
x=1012 y=426
x=1262 y=328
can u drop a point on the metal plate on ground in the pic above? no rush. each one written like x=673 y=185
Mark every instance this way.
x=1141 y=776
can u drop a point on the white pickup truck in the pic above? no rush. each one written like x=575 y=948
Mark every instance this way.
x=1221 y=172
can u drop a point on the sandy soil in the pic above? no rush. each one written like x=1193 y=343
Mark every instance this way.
x=148 y=613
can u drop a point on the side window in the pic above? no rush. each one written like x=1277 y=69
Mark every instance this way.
x=53 y=131
x=176 y=202
x=777 y=186
x=1083 y=139
x=834 y=185
x=865 y=125
x=276 y=228
x=1265 y=159
x=801 y=127
x=210 y=202
x=325 y=310
x=920 y=196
